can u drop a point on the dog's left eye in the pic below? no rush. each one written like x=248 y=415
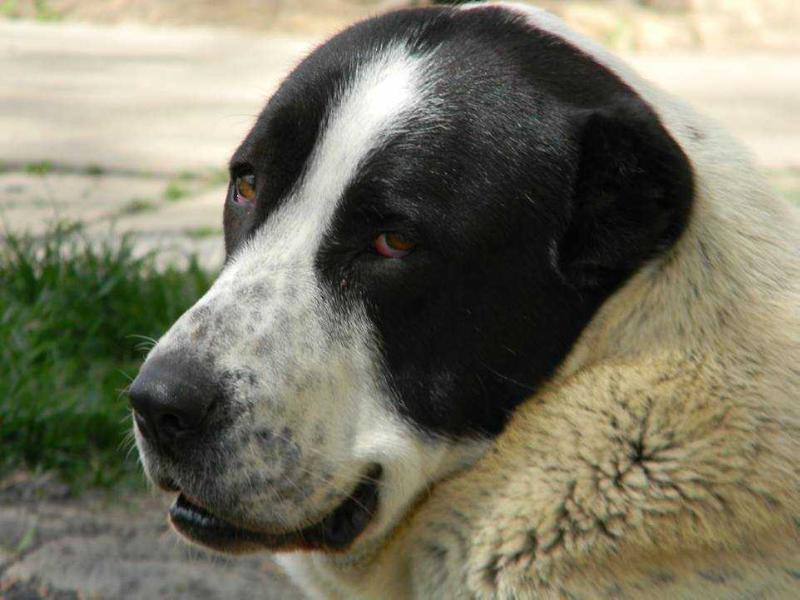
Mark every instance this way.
x=245 y=189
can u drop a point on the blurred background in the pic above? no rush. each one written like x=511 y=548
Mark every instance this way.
x=117 y=118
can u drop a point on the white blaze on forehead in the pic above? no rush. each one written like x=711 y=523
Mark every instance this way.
x=369 y=106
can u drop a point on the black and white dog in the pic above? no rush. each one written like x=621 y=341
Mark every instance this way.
x=423 y=221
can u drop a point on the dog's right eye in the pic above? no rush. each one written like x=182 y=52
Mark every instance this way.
x=245 y=189
x=393 y=245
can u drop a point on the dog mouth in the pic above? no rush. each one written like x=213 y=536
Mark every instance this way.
x=335 y=532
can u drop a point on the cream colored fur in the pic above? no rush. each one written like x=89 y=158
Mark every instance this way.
x=663 y=460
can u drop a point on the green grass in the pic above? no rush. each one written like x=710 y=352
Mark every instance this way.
x=202 y=232
x=136 y=206
x=39 y=168
x=188 y=176
x=44 y=12
x=38 y=9
x=9 y=8
x=73 y=318
x=187 y=183
x=94 y=170
x=175 y=191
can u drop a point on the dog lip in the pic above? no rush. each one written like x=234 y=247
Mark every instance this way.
x=335 y=532
x=167 y=484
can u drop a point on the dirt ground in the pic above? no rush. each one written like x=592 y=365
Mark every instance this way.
x=59 y=547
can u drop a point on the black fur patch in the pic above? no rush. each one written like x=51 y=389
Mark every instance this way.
x=546 y=183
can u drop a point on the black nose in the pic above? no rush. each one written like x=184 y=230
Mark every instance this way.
x=171 y=397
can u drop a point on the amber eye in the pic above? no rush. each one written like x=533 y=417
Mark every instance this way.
x=393 y=245
x=245 y=186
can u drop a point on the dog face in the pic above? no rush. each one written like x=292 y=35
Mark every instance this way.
x=421 y=222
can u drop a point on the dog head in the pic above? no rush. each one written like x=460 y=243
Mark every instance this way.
x=421 y=222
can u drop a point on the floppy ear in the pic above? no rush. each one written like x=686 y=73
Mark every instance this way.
x=631 y=197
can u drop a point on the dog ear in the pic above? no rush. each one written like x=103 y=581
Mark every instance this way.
x=631 y=196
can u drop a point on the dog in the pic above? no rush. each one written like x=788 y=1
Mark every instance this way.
x=498 y=319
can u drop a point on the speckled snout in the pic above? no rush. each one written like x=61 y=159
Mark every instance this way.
x=252 y=400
